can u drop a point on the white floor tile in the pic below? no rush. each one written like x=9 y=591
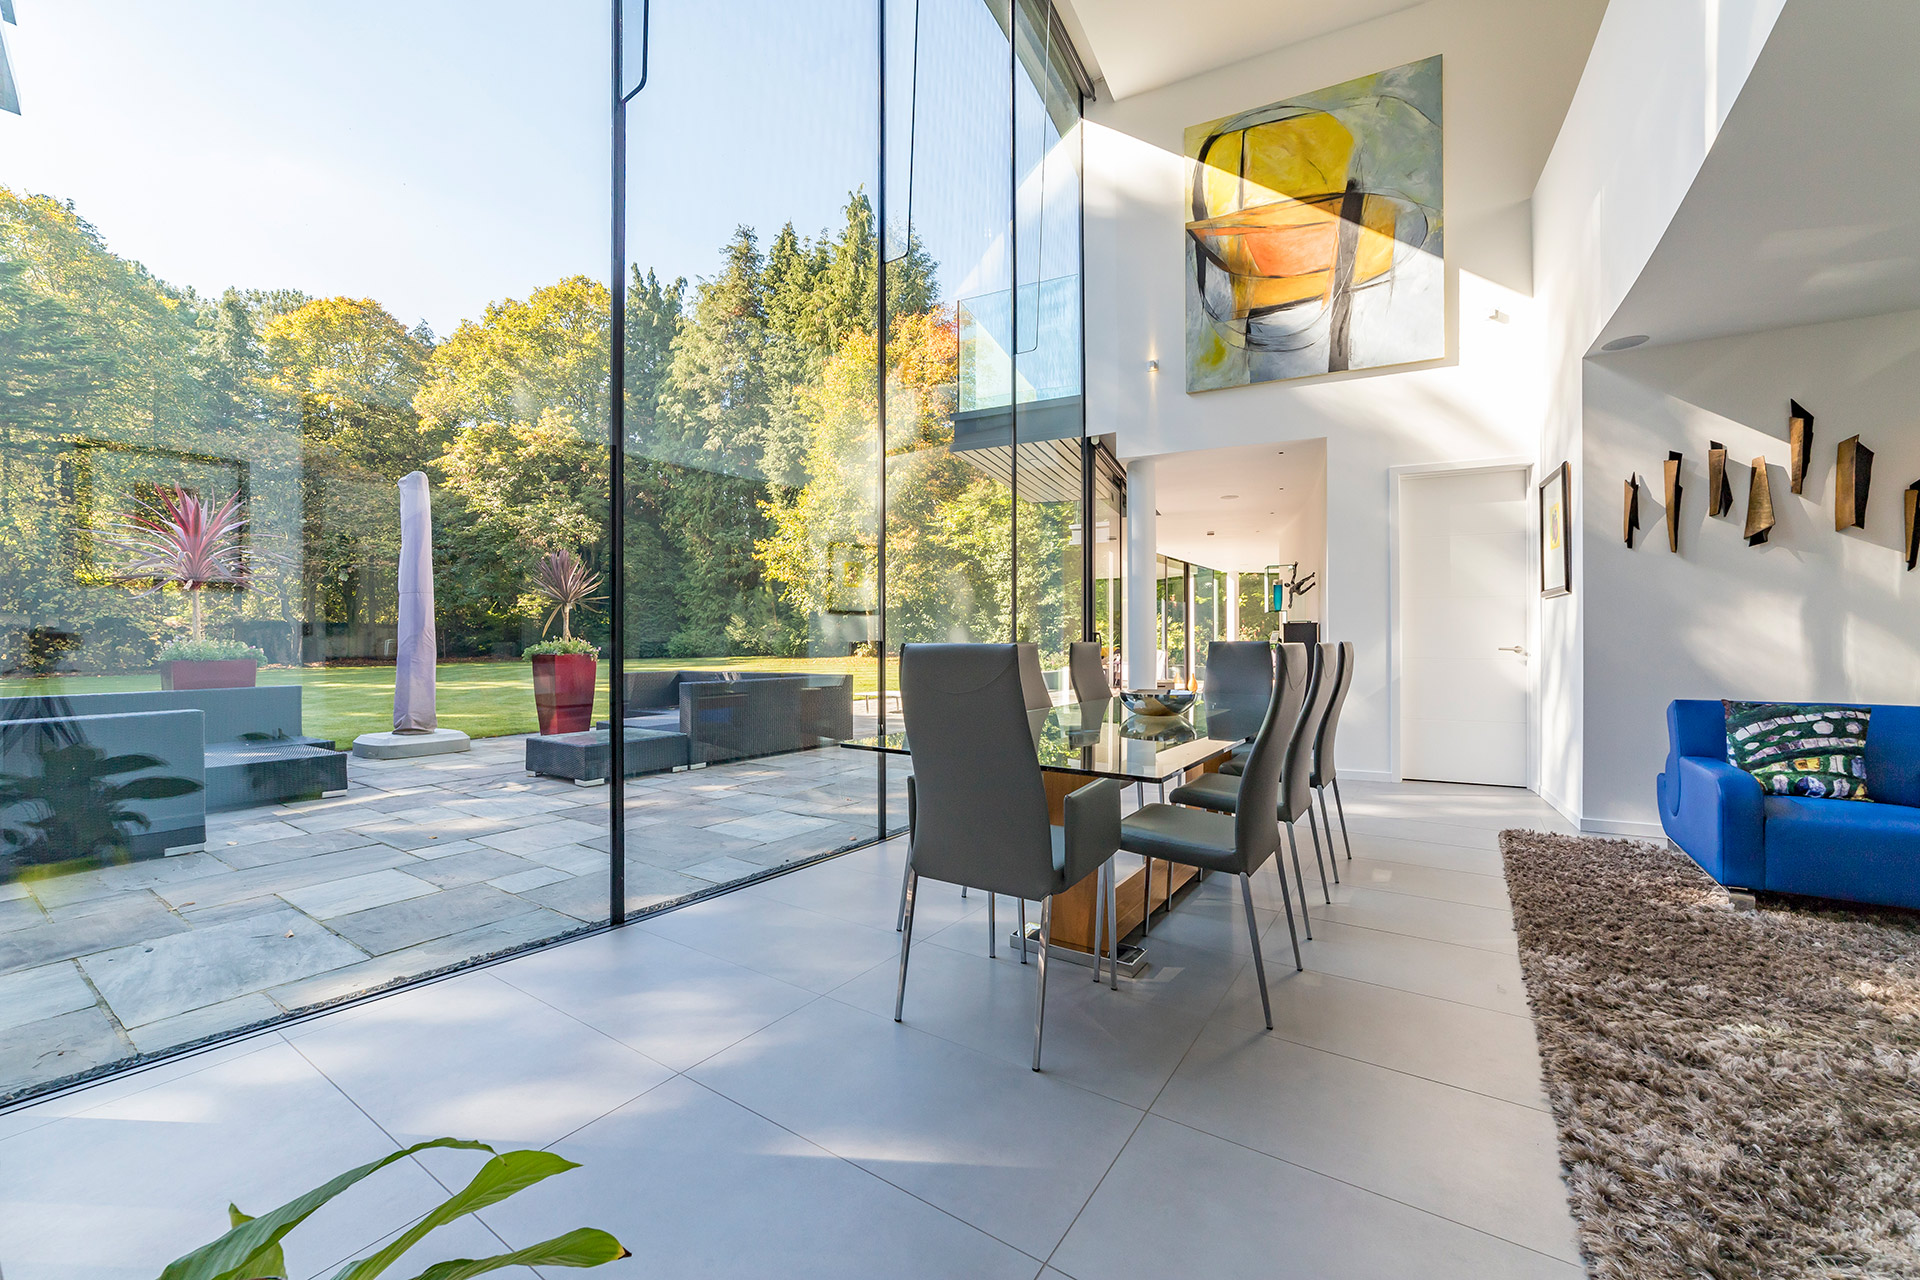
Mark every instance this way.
x=1488 y=1164
x=1180 y=1204
x=672 y=1003
x=697 y=1185
x=1009 y=1150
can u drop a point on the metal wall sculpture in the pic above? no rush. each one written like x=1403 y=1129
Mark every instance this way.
x=1673 y=499
x=1913 y=524
x=1759 y=505
x=1799 y=443
x=1314 y=233
x=1719 y=488
x=1852 y=475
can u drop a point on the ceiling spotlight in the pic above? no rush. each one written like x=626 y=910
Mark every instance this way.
x=1209 y=533
x=1623 y=344
x=1228 y=497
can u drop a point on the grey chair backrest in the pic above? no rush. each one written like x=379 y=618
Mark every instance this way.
x=1088 y=671
x=1296 y=779
x=980 y=808
x=1256 y=831
x=1239 y=688
x=1323 y=766
x=1033 y=681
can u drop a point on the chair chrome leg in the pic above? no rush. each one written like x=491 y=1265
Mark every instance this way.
x=1298 y=879
x=906 y=941
x=1099 y=914
x=1313 y=829
x=1040 y=1004
x=906 y=874
x=1286 y=900
x=1023 y=931
x=1253 y=936
x=1341 y=809
x=1146 y=897
x=993 y=898
x=1326 y=819
x=1113 y=922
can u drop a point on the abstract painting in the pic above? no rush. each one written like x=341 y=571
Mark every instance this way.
x=1314 y=233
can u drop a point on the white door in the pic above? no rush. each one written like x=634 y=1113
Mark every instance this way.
x=1466 y=580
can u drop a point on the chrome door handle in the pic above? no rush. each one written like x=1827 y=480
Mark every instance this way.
x=1514 y=648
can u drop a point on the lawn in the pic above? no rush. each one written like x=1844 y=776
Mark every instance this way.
x=482 y=699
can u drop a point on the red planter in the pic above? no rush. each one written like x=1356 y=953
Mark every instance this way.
x=563 y=691
x=226 y=673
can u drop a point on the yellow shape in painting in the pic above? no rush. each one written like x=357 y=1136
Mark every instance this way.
x=1298 y=158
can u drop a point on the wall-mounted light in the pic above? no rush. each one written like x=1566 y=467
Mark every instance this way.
x=1153 y=366
x=1498 y=316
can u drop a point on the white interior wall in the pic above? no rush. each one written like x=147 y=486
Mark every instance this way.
x=1814 y=613
x=1657 y=86
x=1509 y=70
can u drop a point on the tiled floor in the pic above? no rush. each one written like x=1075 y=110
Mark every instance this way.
x=419 y=865
x=742 y=1104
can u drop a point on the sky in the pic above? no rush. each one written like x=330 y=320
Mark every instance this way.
x=440 y=154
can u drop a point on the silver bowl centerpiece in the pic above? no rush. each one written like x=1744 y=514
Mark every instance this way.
x=1158 y=702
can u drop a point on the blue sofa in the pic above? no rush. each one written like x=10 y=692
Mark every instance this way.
x=1856 y=851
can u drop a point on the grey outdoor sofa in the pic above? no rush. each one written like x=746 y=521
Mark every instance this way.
x=251 y=749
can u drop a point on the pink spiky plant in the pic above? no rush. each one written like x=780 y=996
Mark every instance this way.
x=184 y=541
x=566 y=583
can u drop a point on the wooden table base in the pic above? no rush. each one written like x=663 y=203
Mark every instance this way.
x=1073 y=911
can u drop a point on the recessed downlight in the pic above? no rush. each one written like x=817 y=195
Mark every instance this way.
x=1228 y=497
x=1627 y=343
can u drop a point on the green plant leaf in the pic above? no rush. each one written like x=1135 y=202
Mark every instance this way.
x=226 y=1257
x=581 y=1247
x=268 y=1263
x=504 y=1175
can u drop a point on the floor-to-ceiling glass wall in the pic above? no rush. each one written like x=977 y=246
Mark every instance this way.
x=752 y=437
x=277 y=364
x=1108 y=532
x=304 y=441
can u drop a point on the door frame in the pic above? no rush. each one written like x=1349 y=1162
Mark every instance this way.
x=1526 y=467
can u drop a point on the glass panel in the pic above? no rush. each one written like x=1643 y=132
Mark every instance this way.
x=1209 y=615
x=751 y=491
x=1109 y=573
x=248 y=386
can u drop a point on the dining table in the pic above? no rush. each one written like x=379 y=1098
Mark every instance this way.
x=1078 y=742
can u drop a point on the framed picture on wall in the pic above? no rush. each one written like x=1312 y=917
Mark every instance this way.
x=1556 y=542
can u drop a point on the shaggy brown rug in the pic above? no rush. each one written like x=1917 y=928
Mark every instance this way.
x=1738 y=1092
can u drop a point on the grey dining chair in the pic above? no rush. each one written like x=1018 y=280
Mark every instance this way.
x=1088 y=671
x=977 y=812
x=1300 y=673
x=1324 y=774
x=1239 y=685
x=1033 y=681
x=1237 y=843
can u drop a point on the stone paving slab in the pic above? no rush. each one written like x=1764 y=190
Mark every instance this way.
x=33 y=995
x=147 y=982
x=356 y=893
x=422 y=919
x=56 y=1047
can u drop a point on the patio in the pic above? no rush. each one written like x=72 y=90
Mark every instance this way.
x=418 y=866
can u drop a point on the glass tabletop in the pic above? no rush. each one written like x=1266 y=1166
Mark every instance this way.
x=1103 y=740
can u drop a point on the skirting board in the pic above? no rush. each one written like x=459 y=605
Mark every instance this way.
x=1615 y=827
x=1368 y=775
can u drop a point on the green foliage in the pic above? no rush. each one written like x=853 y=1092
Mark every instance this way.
x=208 y=651
x=574 y=645
x=251 y=1249
x=76 y=809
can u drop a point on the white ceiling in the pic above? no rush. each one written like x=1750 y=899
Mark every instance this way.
x=1136 y=45
x=1808 y=206
x=1272 y=483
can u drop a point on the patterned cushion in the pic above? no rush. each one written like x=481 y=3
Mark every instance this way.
x=1800 y=749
